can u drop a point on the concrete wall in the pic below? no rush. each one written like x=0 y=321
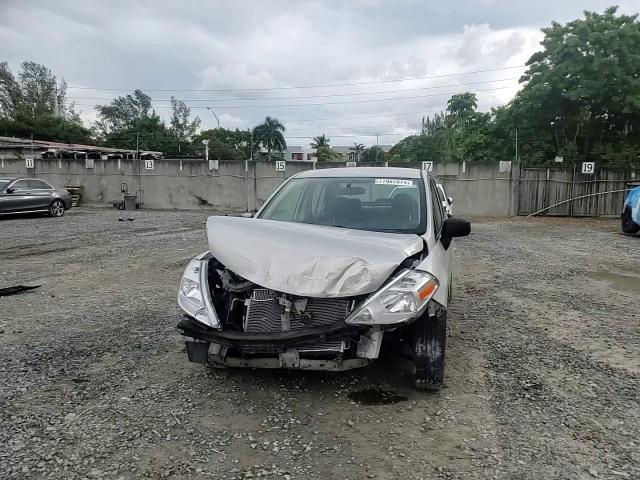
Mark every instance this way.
x=477 y=189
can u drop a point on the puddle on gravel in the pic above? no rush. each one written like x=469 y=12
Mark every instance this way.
x=374 y=396
x=617 y=280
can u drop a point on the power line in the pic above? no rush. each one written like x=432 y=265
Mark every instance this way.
x=330 y=103
x=215 y=100
x=253 y=122
x=295 y=87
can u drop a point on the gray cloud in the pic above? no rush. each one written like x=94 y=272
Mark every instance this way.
x=165 y=44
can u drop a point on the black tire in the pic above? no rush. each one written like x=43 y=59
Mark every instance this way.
x=57 y=208
x=429 y=336
x=628 y=225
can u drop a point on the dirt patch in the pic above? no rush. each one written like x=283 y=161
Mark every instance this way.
x=628 y=283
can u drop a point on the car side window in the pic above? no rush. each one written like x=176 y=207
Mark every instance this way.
x=39 y=185
x=436 y=207
x=20 y=185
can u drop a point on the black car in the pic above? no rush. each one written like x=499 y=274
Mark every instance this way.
x=26 y=195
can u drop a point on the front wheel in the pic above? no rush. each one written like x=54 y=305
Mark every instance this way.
x=628 y=225
x=429 y=337
x=56 y=209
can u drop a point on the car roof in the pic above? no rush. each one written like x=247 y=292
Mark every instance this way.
x=373 y=172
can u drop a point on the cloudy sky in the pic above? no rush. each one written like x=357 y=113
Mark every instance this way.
x=349 y=69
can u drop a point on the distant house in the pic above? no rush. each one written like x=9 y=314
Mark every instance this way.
x=296 y=153
x=11 y=147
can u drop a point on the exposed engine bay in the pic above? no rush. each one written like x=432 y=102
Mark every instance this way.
x=246 y=307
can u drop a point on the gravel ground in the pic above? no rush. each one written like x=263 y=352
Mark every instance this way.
x=543 y=366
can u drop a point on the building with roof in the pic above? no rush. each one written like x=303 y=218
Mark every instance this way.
x=12 y=147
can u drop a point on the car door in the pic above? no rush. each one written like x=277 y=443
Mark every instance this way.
x=17 y=197
x=41 y=194
x=438 y=262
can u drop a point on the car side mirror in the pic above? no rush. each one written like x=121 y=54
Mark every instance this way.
x=454 y=227
x=450 y=200
x=247 y=214
x=10 y=190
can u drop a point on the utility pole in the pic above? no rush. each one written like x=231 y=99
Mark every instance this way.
x=377 y=146
x=516 y=145
x=214 y=114
x=251 y=144
x=138 y=157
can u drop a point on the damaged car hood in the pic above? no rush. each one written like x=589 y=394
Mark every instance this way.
x=308 y=260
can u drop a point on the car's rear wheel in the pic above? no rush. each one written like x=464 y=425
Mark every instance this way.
x=429 y=337
x=628 y=225
x=56 y=209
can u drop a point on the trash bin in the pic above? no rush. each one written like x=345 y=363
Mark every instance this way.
x=130 y=202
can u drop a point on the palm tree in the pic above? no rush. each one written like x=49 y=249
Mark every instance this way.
x=320 y=142
x=357 y=148
x=270 y=135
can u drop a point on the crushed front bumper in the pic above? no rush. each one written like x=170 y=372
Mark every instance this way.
x=216 y=347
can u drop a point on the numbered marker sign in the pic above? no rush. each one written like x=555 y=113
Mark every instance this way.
x=588 y=167
x=428 y=166
x=148 y=164
x=280 y=165
x=29 y=162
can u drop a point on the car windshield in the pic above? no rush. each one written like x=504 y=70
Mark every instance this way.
x=367 y=203
x=3 y=183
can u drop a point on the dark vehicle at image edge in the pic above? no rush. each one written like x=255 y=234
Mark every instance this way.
x=30 y=195
x=336 y=261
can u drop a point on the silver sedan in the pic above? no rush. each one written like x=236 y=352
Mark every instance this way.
x=26 y=195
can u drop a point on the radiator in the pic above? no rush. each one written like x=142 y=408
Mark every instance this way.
x=265 y=315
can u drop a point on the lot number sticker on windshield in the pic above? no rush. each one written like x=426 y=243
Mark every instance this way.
x=393 y=181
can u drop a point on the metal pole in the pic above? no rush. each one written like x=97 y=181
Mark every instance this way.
x=32 y=159
x=215 y=116
x=138 y=157
x=246 y=176
x=516 y=144
x=377 y=147
x=577 y=198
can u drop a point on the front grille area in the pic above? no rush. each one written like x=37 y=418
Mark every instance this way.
x=266 y=314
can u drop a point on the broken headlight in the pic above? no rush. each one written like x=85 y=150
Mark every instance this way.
x=193 y=296
x=402 y=299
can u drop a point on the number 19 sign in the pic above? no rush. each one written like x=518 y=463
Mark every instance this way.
x=588 y=167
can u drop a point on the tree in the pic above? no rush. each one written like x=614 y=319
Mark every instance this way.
x=34 y=103
x=581 y=93
x=324 y=152
x=269 y=135
x=357 y=149
x=462 y=105
x=182 y=129
x=319 y=142
x=373 y=154
x=225 y=144
x=130 y=122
